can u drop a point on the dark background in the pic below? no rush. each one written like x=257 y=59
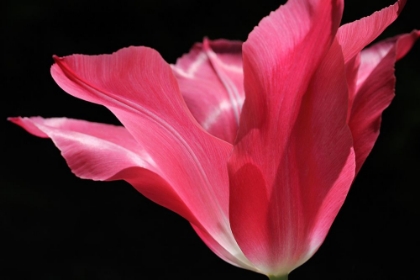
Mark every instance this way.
x=56 y=226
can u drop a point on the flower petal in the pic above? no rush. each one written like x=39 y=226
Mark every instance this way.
x=92 y=150
x=230 y=256
x=375 y=84
x=139 y=87
x=105 y=152
x=210 y=78
x=355 y=36
x=293 y=162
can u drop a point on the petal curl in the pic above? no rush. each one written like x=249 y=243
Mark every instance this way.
x=355 y=36
x=285 y=186
x=210 y=78
x=92 y=150
x=105 y=152
x=375 y=84
x=139 y=87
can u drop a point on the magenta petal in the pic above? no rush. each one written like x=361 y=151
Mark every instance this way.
x=375 y=84
x=210 y=78
x=233 y=256
x=260 y=179
x=355 y=36
x=92 y=150
x=293 y=162
x=139 y=87
x=105 y=152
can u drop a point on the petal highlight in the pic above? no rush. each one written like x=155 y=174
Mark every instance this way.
x=375 y=85
x=139 y=87
x=285 y=187
x=106 y=153
x=355 y=36
x=210 y=78
x=92 y=150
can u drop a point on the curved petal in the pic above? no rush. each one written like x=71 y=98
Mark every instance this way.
x=210 y=78
x=293 y=162
x=92 y=150
x=352 y=66
x=104 y=152
x=139 y=87
x=375 y=84
x=235 y=258
x=355 y=36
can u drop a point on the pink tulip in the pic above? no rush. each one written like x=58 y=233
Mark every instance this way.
x=255 y=144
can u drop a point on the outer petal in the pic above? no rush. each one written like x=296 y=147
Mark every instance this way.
x=104 y=152
x=375 y=84
x=92 y=150
x=210 y=78
x=355 y=36
x=140 y=89
x=292 y=163
x=235 y=258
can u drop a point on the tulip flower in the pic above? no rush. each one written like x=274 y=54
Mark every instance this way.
x=255 y=144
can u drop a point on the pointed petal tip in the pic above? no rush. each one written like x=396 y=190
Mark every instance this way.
x=28 y=124
x=58 y=61
x=405 y=43
x=206 y=44
x=415 y=34
x=20 y=120
x=401 y=4
x=356 y=35
x=56 y=58
x=15 y=120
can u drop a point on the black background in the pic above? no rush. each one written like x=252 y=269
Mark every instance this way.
x=56 y=226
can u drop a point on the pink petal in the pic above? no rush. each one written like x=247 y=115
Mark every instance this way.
x=352 y=66
x=210 y=78
x=293 y=162
x=139 y=87
x=92 y=150
x=375 y=84
x=232 y=256
x=105 y=152
x=355 y=36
